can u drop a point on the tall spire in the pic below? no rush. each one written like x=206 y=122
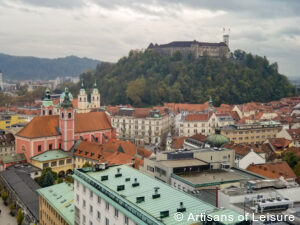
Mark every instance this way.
x=82 y=84
x=95 y=84
x=67 y=102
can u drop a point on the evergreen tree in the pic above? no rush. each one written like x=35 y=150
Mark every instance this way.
x=48 y=180
x=20 y=217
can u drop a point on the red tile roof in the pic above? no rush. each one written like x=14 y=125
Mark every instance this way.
x=273 y=170
x=114 y=152
x=279 y=143
x=178 y=107
x=294 y=133
x=44 y=126
x=177 y=142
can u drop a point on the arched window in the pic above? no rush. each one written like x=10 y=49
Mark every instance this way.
x=23 y=148
x=93 y=98
x=43 y=112
x=70 y=115
x=62 y=115
x=50 y=112
x=80 y=99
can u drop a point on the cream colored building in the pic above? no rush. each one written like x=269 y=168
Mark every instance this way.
x=141 y=125
x=83 y=104
x=56 y=204
x=197 y=160
x=251 y=133
x=202 y=123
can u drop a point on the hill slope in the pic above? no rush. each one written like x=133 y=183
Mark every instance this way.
x=147 y=78
x=26 y=67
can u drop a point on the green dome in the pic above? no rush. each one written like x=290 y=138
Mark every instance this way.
x=217 y=139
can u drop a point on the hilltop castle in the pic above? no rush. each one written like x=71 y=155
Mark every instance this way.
x=196 y=48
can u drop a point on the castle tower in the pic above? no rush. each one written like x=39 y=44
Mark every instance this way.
x=95 y=98
x=66 y=123
x=226 y=38
x=82 y=100
x=47 y=104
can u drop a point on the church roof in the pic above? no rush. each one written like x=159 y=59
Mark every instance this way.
x=44 y=126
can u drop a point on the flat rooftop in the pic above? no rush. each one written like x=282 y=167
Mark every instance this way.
x=182 y=163
x=211 y=176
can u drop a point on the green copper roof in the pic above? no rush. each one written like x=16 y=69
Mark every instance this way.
x=61 y=198
x=52 y=155
x=130 y=200
x=217 y=139
x=270 y=122
x=67 y=101
x=62 y=96
x=47 y=101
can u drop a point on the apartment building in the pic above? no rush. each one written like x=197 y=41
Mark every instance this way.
x=202 y=123
x=140 y=125
x=125 y=196
x=56 y=204
x=255 y=133
x=7 y=144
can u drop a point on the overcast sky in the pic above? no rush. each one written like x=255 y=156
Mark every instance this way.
x=108 y=29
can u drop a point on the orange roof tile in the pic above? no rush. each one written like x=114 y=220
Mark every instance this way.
x=40 y=126
x=91 y=121
x=177 y=143
x=44 y=126
x=273 y=170
x=114 y=152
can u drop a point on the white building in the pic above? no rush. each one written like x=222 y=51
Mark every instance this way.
x=121 y=195
x=250 y=158
x=202 y=123
x=140 y=125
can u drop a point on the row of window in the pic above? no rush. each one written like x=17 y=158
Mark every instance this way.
x=60 y=163
x=136 y=121
x=91 y=208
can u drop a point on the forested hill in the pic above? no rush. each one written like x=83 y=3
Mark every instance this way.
x=147 y=78
x=26 y=67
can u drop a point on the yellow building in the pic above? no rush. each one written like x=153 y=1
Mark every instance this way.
x=251 y=133
x=7 y=120
x=58 y=160
x=56 y=205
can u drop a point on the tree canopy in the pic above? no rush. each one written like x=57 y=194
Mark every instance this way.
x=149 y=78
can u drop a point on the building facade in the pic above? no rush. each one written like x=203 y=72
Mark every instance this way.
x=251 y=133
x=7 y=144
x=59 y=161
x=202 y=123
x=56 y=204
x=141 y=125
x=9 y=119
